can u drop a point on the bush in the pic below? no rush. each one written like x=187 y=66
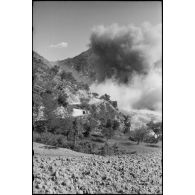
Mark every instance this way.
x=151 y=140
x=62 y=100
x=86 y=87
x=85 y=147
x=67 y=76
x=98 y=139
x=114 y=104
x=87 y=130
x=106 y=149
x=40 y=126
x=95 y=94
x=51 y=139
x=54 y=70
x=139 y=134
x=156 y=127
x=107 y=128
x=127 y=124
x=116 y=125
x=105 y=97
x=61 y=126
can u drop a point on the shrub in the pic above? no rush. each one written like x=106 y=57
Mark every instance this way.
x=86 y=87
x=36 y=137
x=95 y=94
x=116 y=125
x=87 y=130
x=61 y=126
x=62 y=100
x=160 y=137
x=40 y=126
x=156 y=127
x=105 y=97
x=51 y=139
x=67 y=76
x=150 y=139
x=114 y=104
x=98 y=139
x=54 y=70
x=106 y=149
x=85 y=147
x=108 y=130
x=115 y=148
x=127 y=124
x=139 y=134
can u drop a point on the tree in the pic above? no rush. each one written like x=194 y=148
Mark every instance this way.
x=62 y=100
x=87 y=129
x=114 y=104
x=105 y=97
x=127 y=124
x=75 y=132
x=67 y=76
x=95 y=94
x=50 y=105
x=86 y=87
x=116 y=124
x=139 y=134
x=54 y=70
x=108 y=131
x=155 y=127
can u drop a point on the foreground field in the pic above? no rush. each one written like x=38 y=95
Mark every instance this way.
x=73 y=172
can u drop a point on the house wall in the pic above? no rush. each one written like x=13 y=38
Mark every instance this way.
x=79 y=112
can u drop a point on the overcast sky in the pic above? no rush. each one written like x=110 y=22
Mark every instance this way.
x=62 y=29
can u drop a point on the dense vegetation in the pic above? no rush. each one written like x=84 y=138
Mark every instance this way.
x=50 y=86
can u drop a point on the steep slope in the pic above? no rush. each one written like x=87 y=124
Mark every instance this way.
x=56 y=80
x=77 y=71
x=41 y=69
x=41 y=59
x=80 y=66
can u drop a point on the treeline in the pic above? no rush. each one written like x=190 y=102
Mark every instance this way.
x=76 y=134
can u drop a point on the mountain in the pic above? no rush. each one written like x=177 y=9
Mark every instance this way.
x=80 y=66
x=60 y=81
x=41 y=61
x=70 y=78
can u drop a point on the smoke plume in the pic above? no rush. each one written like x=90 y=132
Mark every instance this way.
x=128 y=63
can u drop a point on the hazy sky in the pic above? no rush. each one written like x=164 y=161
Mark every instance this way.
x=62 y=29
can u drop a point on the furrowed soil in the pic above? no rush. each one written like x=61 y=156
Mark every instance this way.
x=63 y=171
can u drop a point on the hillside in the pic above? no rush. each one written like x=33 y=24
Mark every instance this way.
x=63 y=84
x=60 y=82
x=80 y=66
x=81 y=141
x=79 y=72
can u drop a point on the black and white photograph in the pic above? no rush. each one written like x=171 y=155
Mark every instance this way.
x=97 y=106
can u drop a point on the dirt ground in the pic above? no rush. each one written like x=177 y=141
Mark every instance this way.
x=63 y=171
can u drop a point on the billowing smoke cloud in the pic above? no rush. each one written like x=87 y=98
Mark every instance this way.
x=128 y=64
